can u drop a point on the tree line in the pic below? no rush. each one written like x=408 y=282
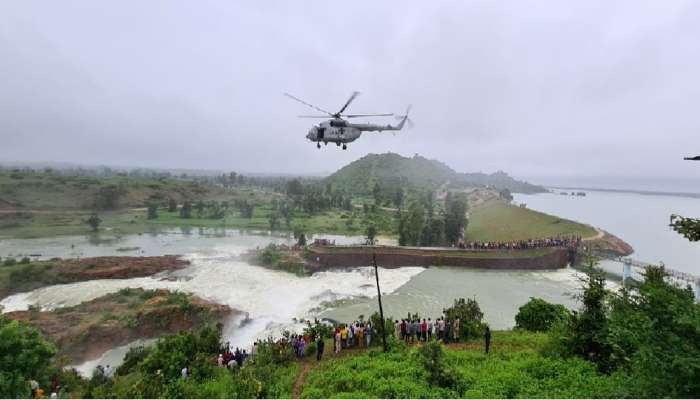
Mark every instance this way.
x=421 y=225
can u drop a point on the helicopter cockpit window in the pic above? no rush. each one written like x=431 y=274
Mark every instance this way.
x=321 y=131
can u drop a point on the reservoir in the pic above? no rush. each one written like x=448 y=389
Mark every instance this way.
x=641 y=220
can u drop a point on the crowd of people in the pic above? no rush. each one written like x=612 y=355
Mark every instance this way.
x=570 y=242
x=229 y=358
x=356 y=334
x=411 y=331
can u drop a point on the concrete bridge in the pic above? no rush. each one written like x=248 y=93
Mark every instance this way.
x=630 y=266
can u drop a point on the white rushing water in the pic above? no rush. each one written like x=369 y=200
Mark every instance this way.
x=275 y=300
x=271 y=298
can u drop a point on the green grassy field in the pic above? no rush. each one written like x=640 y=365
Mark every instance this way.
x=498 y=221
x=514 y=368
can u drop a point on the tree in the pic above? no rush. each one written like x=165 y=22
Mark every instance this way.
x=377 y=193
x=538 y=315
x=371 y=234
x=654 y=333
x=300 y=236
x=439 y=373
x=199 y=207
x=94 y=221
x=295 y=188
x=107 y=197
x=470 y=317
x=152 y=208
x=688 y=227
x=505 y=195
x=411 y=225
x=455 y=218
x=25 y=356
x=186 y=210
x=172 y=205
x=232 y=179
x=586 y=333
x=398 y=197
x=274 y=221
x=286 y=211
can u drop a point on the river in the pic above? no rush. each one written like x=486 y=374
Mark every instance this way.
x=275 y=300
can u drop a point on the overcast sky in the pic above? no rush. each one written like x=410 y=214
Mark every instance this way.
x=534 y=88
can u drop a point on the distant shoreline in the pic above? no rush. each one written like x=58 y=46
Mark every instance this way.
x=635 y=191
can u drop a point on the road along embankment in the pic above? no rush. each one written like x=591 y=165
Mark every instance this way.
x=329 y=257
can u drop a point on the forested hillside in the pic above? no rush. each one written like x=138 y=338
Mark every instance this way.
x=417 y=172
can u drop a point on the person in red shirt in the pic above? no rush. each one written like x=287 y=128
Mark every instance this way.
x=424 y=330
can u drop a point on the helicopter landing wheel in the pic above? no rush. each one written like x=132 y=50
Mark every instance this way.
x=345 y=147
x=318 y=145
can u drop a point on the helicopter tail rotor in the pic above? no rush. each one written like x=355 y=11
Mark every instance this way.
x=404 y=119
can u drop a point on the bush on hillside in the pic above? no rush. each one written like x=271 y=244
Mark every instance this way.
x=25 y=355
x=538 y=315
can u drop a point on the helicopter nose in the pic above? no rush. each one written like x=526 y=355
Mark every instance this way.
x=311 y=134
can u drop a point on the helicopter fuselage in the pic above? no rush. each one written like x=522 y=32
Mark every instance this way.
x=334 y=131
x=340 y=131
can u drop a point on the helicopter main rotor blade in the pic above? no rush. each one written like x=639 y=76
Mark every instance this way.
x=409 y=121
x=307 y=104
x=352 y=97
x=366 y=115
x=312 y=116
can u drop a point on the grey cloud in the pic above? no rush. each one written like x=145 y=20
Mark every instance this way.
x=533 y=88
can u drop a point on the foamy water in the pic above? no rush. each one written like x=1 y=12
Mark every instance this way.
x=271 y=298
x=276 y=300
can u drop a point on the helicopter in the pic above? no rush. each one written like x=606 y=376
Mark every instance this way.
x=340 y=131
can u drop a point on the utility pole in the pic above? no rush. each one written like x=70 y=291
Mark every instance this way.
x=379 y=297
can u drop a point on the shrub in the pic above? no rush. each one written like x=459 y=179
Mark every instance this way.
x=25 y=260
x=538 y=315
x=24 y=356
x=9 y=262
x=132 y=358
x=470 y=317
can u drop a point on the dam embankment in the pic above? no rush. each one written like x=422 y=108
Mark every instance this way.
x=320 y=258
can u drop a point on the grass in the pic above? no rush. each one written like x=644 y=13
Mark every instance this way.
x=514 y=368
x=501 y=222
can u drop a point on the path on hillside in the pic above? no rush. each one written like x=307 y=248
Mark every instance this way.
x=599 y=235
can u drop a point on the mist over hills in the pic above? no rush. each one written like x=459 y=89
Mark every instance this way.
x=390 y=169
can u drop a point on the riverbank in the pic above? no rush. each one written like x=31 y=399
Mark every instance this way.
x=24 y=277
x=85 y=331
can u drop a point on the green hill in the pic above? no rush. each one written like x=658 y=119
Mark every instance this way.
x=416 y=172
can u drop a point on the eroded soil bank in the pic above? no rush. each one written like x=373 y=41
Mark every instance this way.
x=26 y=277
x=85 y=331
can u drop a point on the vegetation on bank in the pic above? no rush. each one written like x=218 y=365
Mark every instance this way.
x=515 y=367
x=279 y=258
x=641 y=341
x=26 y=275
x=116 y=319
